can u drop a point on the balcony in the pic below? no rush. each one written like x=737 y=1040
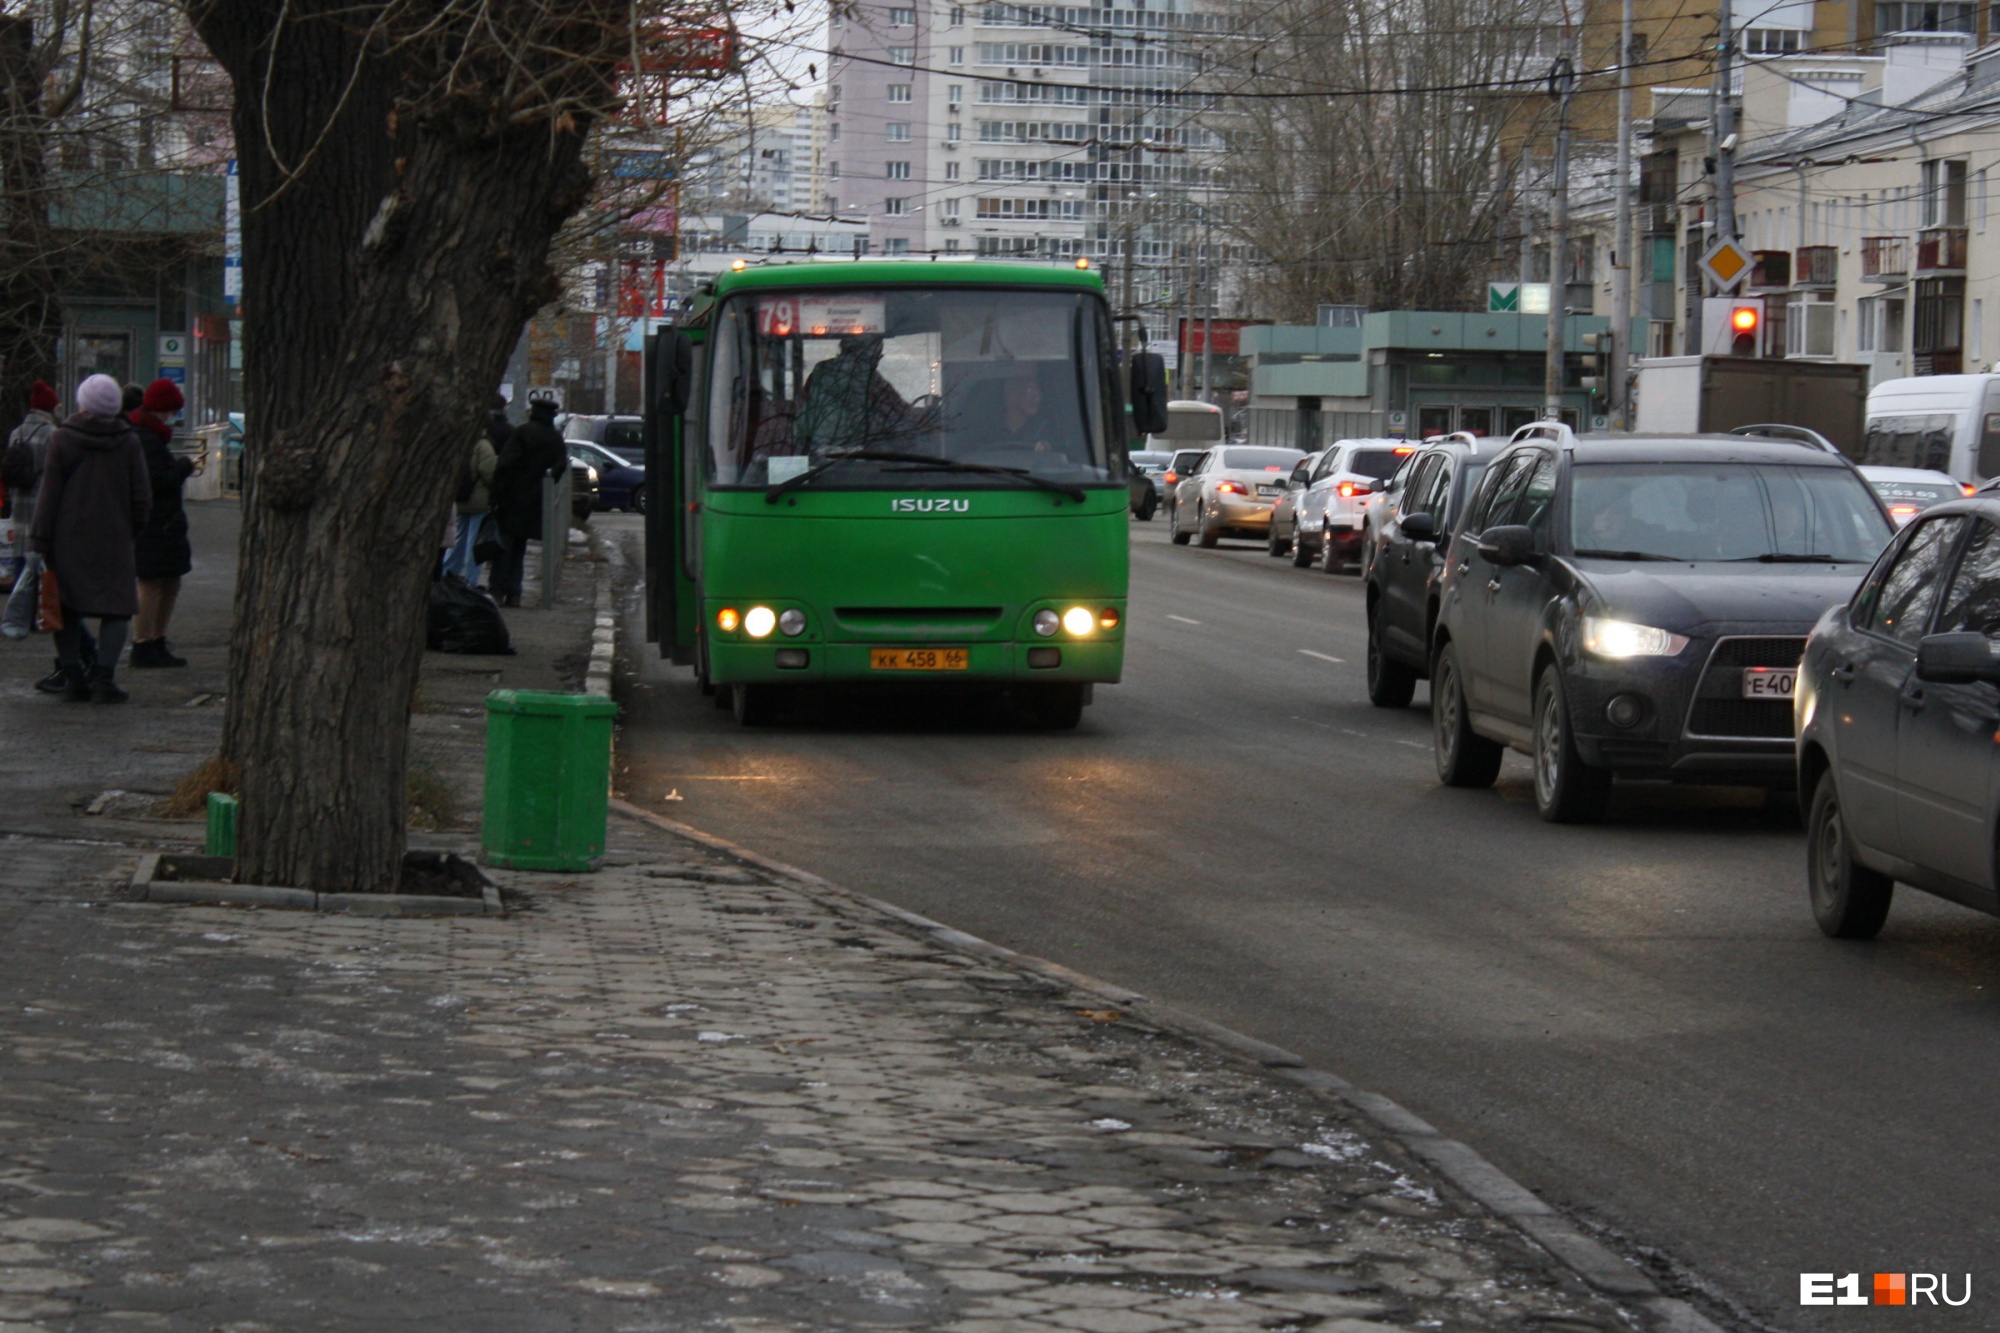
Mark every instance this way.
x=1816 y=266
x=1941 y=250
x=1885 y=258
x=1770 y=271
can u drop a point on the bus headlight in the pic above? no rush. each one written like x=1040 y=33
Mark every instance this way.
x=1079 y=621
x=1047 y=622
x=727 y=620
x=793 y=622
x=759 y=621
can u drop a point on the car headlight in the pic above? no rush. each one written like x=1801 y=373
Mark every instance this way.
x=1047 y=622
x=1622 y=638
x=759 y=621
x=1079 y=621
x=792 y=621
x=591 y=472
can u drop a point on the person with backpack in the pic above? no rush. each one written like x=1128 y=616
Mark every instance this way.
x=21 y=469
x=164 y=553
x=534 y=450
x=475 y=495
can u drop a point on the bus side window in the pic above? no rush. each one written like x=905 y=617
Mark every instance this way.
x=1988 y=462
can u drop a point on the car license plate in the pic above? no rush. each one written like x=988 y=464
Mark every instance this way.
x=1270 y=490
x=919 y=659
x=1769 y=682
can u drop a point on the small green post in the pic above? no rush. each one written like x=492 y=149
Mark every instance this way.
x=221 y=824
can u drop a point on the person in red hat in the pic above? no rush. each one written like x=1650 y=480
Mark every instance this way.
x=164 y=554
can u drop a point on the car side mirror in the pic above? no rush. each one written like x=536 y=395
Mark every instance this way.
x=670 y=372
x=1149 y=393
x=1508 y=545
x=1957 y=659
x=1420 y=526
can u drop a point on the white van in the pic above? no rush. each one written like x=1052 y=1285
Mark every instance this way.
x=1942 y=423
x=1189 y=423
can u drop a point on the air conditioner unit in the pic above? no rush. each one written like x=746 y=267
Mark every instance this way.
x=951 y=222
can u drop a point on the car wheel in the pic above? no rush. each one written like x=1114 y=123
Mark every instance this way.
x=1390 y=684
x=1329 y=552
x=754 y=705
x=1849 y=900
x=1147 y=509
x=1302 y=553
x=1174 y=533
x=637 y=504
x=1274 y=545
x=1567 y=790
x=1464 y=757
x=1209 y=536
x=1056 y=707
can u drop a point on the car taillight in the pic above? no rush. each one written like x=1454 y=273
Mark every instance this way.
x=1171 y=479
x=1232 y=488
x=1968 y=488
x=1351 y=488
x=1903 y=511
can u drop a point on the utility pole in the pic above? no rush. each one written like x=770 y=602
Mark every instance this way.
x=1562 y=82
x=1207 y=315
x=1725 y=124
x=1130 y=308
x=1621 y=259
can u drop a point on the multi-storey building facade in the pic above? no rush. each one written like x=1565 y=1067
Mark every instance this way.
x=1026 y=130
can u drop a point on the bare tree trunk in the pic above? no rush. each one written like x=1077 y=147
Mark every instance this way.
x=31 y=314
x=394 y=245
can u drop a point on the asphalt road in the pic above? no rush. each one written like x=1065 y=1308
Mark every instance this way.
x=1637 y=1020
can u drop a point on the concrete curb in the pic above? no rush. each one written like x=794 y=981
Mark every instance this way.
x=1602 y=1268
x=214 y=893
x=604 y=636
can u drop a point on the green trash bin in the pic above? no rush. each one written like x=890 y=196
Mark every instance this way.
x=548 y=780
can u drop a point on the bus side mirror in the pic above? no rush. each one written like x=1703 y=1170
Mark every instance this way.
x=670 y=376
x=1149 y=393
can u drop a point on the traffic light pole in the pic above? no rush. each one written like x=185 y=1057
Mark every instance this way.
x=1620 y=396
x=1562 y=82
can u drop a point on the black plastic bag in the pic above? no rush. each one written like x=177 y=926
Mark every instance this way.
x=466 y=620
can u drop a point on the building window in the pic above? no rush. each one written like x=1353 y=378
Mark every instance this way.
x=896 y=208
x=951 y=208
x=953 y=131
x=958 y=16
x=1925 y=16
x=1809 y=328
x=1865 y=311
x=902 y=55
x=833 y=171
x=833 y=94
x=899 y=92
x=902 y=18
x=898 y=131
x=958 y=55
x=896 y=245
x=954 y=93
x=833 y=132
x=951 y=171
x=1944 y=193
x=899 y=171
x=951 y=245
x=1772 y=41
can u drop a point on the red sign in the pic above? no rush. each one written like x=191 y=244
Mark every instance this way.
x=642 y=288
x=704 y=52
x=1228 y=336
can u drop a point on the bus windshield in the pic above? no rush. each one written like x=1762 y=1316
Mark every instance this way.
x=990 y=384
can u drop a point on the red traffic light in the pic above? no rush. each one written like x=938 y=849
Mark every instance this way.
x=1743 y=319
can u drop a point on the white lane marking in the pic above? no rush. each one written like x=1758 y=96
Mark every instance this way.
x=1183 y=619
x=1323 y=656
x=1349 y=731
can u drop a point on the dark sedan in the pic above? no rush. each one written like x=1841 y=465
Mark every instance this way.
x=1898 y=711
x=620 y=485
x=1638 y=606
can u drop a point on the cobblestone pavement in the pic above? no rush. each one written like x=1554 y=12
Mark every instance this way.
x=673 y=1095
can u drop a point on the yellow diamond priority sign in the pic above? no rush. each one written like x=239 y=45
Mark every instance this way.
x=1726 y=262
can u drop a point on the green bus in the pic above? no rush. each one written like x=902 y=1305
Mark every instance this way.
x=894 y=471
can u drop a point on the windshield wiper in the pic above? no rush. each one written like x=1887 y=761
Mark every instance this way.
x=920 y=462
x=1791 y=558
x=1629 y=555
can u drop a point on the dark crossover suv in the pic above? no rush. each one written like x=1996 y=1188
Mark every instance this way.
x=1638 y=605
x=1899 y=715
x=1405 y=562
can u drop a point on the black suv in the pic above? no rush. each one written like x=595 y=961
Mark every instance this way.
x=1405 y=561
x=1898 y=709
x=1639 y=605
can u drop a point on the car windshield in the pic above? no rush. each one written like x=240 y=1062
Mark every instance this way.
x=1381 y=464
x=1724 y=511
x=1149 y=458
x=1259 y=460
x=945 y=389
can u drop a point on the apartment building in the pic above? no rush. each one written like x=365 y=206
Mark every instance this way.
x=1022 y=130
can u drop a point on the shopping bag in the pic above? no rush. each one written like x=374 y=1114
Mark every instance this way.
x=50 y=617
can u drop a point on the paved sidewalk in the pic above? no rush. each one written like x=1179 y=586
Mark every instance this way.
x=680 y=1094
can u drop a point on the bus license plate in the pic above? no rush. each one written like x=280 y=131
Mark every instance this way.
x=1769 y=682
x=919 y=659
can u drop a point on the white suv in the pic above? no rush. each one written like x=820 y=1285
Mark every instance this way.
x=1330 y=510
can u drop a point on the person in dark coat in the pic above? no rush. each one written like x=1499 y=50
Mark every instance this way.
x=535 y=450
x=94 y=499
x=163 y=554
